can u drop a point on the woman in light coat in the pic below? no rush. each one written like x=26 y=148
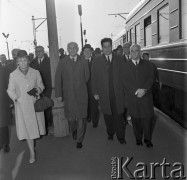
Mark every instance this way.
x=29 y=124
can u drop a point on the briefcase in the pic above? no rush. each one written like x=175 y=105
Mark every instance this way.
x=43 y=103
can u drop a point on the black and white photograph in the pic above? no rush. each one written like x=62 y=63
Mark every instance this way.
x=93 y=89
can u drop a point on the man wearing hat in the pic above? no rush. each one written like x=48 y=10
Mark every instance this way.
x=93 y=110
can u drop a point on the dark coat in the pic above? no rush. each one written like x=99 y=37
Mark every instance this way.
x=135 y=77
x=11 y=66
x=100 y=83
x=125 y=59
x=5 y=112
x=71 y=84
x=45 y=70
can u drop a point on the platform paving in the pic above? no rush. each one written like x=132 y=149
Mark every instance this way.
x=58 y=158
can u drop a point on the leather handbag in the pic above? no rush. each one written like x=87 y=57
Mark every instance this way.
x=43 y=103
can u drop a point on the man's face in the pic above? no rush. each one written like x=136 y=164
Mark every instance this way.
x=145 y=56
x=14 y=53
x=120 y=51
x=107 y=48
x=126 y=49
x=73 y=49
x=87 y=53
x=39 y=52
x=135 y=52
x=61 y=51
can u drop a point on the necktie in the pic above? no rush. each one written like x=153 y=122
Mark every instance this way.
x=136 y=63
x=127 y=57
x=39 y=61
x=108 y=59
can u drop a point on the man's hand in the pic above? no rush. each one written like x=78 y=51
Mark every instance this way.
x=141 y=92
x=96 y=97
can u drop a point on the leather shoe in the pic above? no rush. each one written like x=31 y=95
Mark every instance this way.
x=95 y=125
x=139 y=143
x=79 y=145
x=6 y=148
x=122 y=141
x=74 y=134
x=110 y=137
x=148 y=143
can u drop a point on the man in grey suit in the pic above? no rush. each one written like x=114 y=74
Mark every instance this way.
x=71 y=79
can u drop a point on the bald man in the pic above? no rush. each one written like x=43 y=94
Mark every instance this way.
x=138 y=81
x=71 y=79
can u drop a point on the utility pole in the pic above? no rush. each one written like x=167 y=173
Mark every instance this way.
x=119 y=14
x=80 y=14
x=60 y=123
x=6 y=36
x=35 y=28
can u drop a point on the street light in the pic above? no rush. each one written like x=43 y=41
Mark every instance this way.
x=6 y=36
x=80 y=14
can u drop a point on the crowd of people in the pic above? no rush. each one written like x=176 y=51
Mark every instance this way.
x=119 y=84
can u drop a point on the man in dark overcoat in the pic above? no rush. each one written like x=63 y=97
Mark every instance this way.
x=5 y=112
x=138 y=81
x=93 y=106
x=108 y=89
x=42 y=64
x=71 y=79
x=126 y=51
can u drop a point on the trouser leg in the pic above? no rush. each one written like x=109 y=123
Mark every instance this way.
x=137 y=128
x=73 y=124
x=48 y=117
x=120 y=126
x=109 y=122
x=81 y=129
x=4 y=135
x=94 y=111
x=147 y=124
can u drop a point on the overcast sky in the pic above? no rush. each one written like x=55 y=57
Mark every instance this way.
x=16 y=20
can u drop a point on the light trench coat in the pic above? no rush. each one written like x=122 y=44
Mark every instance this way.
x=29 y=124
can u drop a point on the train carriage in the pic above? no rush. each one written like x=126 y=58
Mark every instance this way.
x=159 y=26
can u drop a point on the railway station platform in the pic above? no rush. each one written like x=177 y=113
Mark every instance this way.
x=100 y=159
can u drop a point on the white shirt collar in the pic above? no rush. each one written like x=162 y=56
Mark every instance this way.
x=136 y=62
x=75 y=58
x=40 y=59
x=110 y=57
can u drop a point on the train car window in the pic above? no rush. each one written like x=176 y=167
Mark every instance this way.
x=147 y=32
x=137 y=34
x=163 y=25
x=184 y=18
x=127 y=36
x=130 y=35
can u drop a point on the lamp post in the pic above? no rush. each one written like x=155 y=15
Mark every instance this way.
x=6 y=36
x=80 y=14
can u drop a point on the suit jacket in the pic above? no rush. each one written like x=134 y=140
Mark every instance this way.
x=45 y=70
x=71 y=84
x=100 y=83
x=125 y=59
x=135 y=77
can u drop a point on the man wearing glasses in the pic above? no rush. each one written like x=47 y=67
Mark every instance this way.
x=42 y=64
